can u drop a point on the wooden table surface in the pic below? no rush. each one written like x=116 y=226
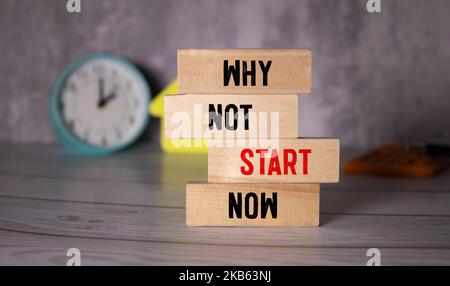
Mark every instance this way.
x=129 y=209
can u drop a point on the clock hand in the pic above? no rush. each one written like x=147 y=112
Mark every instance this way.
x=110 y=97
x=101 y=92
x=107 y=99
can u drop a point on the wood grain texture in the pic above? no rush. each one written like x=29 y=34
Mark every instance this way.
x=292 y=204
x=129 y=209
x=270 y=116
x=202 y=70
x=335 y=199
x=319 y=165
x=160 y=224
x=142 y=164
x=25 y=249
x=34 y=249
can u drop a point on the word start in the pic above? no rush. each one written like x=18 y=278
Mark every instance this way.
x=276 y=166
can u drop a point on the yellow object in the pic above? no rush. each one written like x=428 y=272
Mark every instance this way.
x=156 y=109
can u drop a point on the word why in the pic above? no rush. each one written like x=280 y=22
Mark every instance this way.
x=73 y=6
x=215 y=116
x=289 y=161
x=235 y=72
x=251 y=205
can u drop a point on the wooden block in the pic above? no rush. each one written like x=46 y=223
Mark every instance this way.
x=252 y=204
x=231 y=116
x=253 y=71
x=285 y=161
x=396 y=160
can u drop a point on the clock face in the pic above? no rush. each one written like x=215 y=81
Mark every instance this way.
x=103 y=103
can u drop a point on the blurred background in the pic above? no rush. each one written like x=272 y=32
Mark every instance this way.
x=381 y=77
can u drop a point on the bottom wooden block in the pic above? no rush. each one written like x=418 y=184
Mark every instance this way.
x=222 y=204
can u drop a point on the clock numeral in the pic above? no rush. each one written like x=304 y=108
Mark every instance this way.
x=104 y=142
x=137 y=103
x=71 y=125
x=61 y=106
x=82 y=74
x=86 y=134
x=131 y=120
x=70 y=86
x=129 y=86
x=118 y=133
x=98 y=69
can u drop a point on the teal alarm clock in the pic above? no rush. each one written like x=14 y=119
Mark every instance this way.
x=99 y=104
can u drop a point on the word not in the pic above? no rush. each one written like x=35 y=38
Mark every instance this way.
x=235 y=72
x=373 y=6
x=215 y=116
x=251 y=205
x=242 y=126
x=289 y=161
x=73 y=6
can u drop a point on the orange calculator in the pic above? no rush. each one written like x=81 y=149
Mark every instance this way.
x=398 y=160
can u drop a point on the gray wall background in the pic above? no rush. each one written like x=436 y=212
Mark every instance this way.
x=376 y=77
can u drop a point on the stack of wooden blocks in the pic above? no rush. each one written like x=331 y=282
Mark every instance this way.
x=245 y=103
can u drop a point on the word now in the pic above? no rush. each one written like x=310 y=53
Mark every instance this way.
x=215 y=116
x=235 y=72
x=289 y=161
x=251 y=205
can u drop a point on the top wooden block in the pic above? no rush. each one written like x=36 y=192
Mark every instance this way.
x=282 y=71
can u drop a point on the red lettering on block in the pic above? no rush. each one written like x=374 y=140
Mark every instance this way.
x=289 y=164
x=305 y=153
x=246 y=161
x=274 y=165
x=262 y=160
